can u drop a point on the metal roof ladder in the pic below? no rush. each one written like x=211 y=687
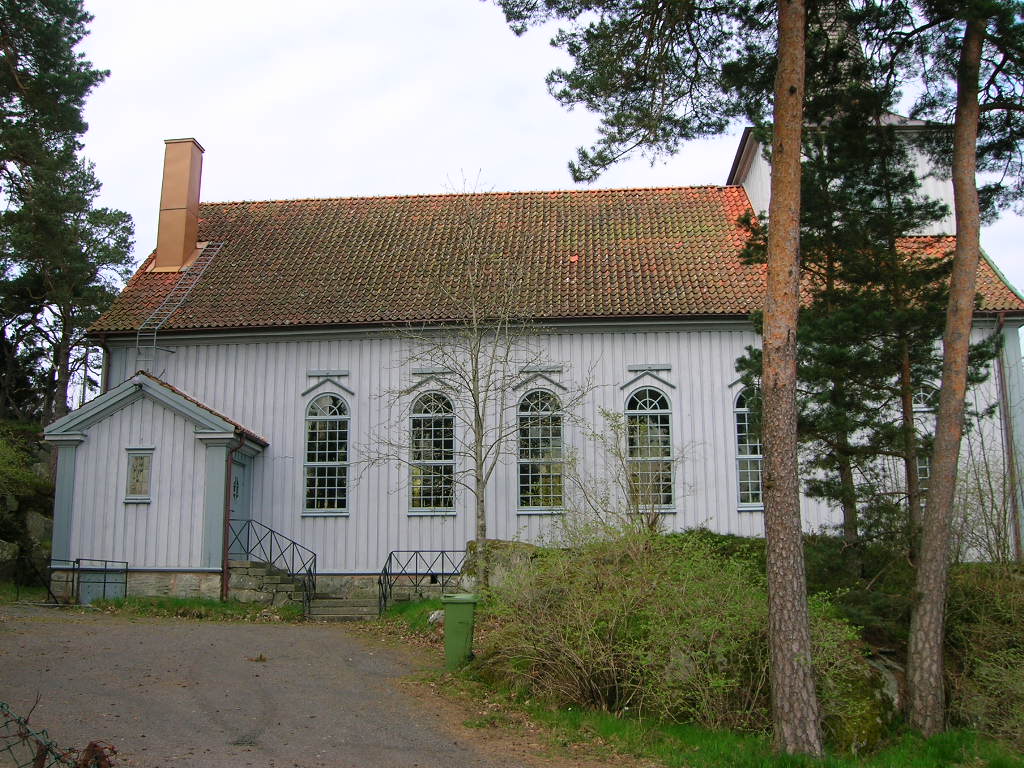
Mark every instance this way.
x=145 y=337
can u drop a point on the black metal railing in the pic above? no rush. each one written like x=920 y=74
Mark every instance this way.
x=85 y=579
x=252 y=540
x=418 y=567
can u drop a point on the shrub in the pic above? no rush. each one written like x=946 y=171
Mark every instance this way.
x=985 y=642
x=667 y=626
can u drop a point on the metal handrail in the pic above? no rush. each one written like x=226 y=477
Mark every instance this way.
x=418 y=565
x=262 y=543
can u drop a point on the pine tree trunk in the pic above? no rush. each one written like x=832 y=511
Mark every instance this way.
x=851 y=521
x=794 y=700
x=927 y=622
x=910 y=452
x=62 y=377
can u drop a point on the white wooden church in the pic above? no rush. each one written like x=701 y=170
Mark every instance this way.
x=251 y=367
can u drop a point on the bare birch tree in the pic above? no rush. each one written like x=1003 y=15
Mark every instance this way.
x=469 y=368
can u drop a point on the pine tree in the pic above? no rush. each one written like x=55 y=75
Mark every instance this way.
x=43 y=84
x=61 y=257
x=971 y=55
x=654 y=72
x=72 y=258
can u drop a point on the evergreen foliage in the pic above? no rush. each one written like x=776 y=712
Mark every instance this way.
x=43 y=85
x=652 y=71
x=874 y=299
x=61 y=257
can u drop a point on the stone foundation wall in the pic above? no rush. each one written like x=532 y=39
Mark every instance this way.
x=151 y=584
x=338 y=585
x=254 y=583
x=173 y=584
x=365 y=587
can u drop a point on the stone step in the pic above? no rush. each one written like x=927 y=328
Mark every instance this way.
x=341 y=616
x=342 y=610
x=278 y=578
x=359 y=601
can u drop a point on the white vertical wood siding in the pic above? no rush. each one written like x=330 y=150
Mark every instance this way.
x=167 y=531
x=259 y=384
x=934 y=183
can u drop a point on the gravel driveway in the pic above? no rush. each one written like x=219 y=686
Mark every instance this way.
x=172 y=693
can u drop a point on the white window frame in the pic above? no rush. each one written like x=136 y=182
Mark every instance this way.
x=633 y=416
x=344 y=421
x=554 y=435
x=750 y=458
x=430 y=466
x=138 y=498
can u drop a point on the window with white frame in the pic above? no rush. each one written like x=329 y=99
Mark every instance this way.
x=432 y=454
x=749 y=452
x=925 y=401
x=139 y=479
x=326 y=462
x=540 y=451
x=924 y=472
x=925 y=398
x=649 y=448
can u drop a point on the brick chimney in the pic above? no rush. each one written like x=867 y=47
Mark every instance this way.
x=179 y=206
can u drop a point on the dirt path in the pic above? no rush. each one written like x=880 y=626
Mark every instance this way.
x=172 y=693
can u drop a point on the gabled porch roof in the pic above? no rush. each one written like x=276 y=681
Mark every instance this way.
x=208 y=422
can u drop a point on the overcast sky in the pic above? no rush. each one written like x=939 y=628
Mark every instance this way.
x=343 y=98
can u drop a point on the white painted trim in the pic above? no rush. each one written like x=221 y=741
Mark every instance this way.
x=641 y=375
x=323 y=381
x=597 y=325
x=539 y=377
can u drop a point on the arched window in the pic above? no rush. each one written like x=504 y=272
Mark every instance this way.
x=925 y=399
x=540 y=451
x=327 y=454
x=649 y=448
x=749 y=453
x=432 y=443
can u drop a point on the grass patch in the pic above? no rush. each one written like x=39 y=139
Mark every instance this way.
x=414 y=615
x=199 y=608
x=689 y=746
x=9 y=593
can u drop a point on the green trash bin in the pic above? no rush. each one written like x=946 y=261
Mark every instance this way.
x=458 y=628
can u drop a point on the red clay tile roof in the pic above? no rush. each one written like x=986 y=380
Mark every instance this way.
x=623 y=253
x=996 y=293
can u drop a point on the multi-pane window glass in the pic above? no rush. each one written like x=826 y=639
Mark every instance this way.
x=924 y=472
x=140 y=475
x=649 y=448
x=749 y=453
x=540 y=451
x=326 y=461
x=432 y=456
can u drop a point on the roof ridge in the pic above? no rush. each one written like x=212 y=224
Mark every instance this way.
x=603 y=190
